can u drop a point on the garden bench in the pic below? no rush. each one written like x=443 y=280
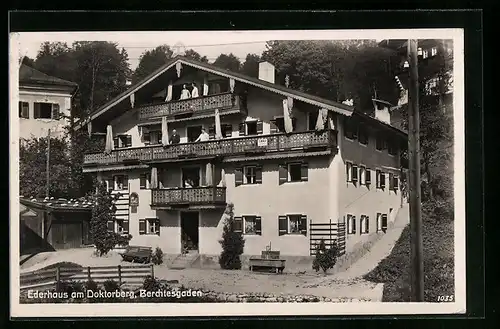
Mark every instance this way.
x=268 y=260
x=138 y=254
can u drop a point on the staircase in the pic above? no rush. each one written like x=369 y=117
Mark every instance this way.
x=184 y=260
x=122 y=205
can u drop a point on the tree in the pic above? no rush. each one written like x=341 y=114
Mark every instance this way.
x=28 y=61
x=102 y=213
x=228 y=62
x=232 y=242
x=152 y=60
x=325 y=258
x=57 y=59
x=190 y=53
x=251 y=65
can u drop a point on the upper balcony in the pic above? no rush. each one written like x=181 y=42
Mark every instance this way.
x=297 y=141
x=202 y=197
x=223 y=102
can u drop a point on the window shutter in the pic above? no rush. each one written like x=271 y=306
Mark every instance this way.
x=228 y=130
x=116 y=142
x=304 y=172
x=384 y=222
x=129 y=140
x=111 y=184
x=55 y=111
x=367 y=224
x=368 y=177
x=143 y=184
x=353 y=224
x=238 y=225
x=282 y=225
x=382 y=180
x=283 y=174
x=273 y=127
x=354 y=170
x=258 y=175
x=158 y=230
x=238 y=176
x=37 y=111
x=125 y=182
x=211 y=132
x=377 y=178
x=111 y=226
x=146 y=137
x=396 y=183
x=348 y=171
x=391 y=181
x=125 y=226
x=258 y=225
x=142 y=226
x=303 y=225
x=241 y=128
x=259 y=127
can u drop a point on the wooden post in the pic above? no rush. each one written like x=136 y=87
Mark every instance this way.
x=152 y=270
x=417 y=268
x=47 y=167
x=89 y=277
x=120 y=275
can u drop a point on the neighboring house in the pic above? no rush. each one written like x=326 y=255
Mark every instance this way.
x=44 y=102
x=53 y=224
x=286 y=186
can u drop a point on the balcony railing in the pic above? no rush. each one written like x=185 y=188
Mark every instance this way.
x=212 y=102
x=191 y=196
x=223 y=147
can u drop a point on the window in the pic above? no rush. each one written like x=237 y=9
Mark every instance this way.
x=379 y=222
x=380 y=179
x=363 y=135
x=120 y=226
x=121 y=141
x=351 y=224
x=145 y=181
x=24 y=110
x=293 y=172
x=278 y=125
x=381 y=142
x=149 y=226
x=292 y=224
x=46 y=111
x=351 y=172
x=313 y=118
x=110 y=184
x=434 y=51
x=248 y=175
x=393 y=182
x=425 y=53
x=364 y=224
x=121 y=182
x=251 y=128
x=362 y=175
x=252 y=225
x=227 y=130
x=350 y=129
x=392 y=148
x=368 y=176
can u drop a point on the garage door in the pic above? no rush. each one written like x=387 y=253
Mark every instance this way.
x=66 y=234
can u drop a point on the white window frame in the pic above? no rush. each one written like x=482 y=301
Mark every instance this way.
x=362 y=224
x=244 y=222
x=289 y=221
x=350 y=223
x=256 y=129
x=119 y=226
x=425 y=53
x=150 y=223
x=348 y=171
x=115 y=181
x=434 y=51
x=51 y=110
x=289 y=166
x=379 y=221
x=251 y=168
x=362 y=175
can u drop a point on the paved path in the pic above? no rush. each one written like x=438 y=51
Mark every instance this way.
x=379 y=251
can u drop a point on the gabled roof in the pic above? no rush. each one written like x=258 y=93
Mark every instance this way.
x=282 y=90
x=57 y=205
x=29 y=75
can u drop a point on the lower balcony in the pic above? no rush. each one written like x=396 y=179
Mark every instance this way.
x=193 y=198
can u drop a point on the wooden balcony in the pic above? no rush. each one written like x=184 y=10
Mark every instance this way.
x=299 y=141
x=197 y=197
x=223 y=102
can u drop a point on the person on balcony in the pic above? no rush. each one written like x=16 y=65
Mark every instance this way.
x=204 y=136
x=185 y=94
x=175 y=138
x=194 y=92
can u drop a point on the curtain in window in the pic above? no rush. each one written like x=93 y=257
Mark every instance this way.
x=205 y=86
x=132 y=100
x=218 y=130
x=287 y=117
x=109 y=140
x=320 y=122
x=231 y=85
x=331 y=122
x=154 y=177
x=289 y=101
x=169 y=92
x=222 y=182
x=208 y=175
x=164 y=131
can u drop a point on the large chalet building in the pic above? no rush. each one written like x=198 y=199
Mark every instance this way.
x=297 y=167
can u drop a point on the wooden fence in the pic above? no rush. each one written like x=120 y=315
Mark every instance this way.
x=330 y=233
x=131 y=274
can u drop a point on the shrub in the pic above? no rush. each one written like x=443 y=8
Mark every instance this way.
x=152 y=284
x=111 y=285
x=325 y=258
x=91 y=285
x=232 y=242
x=157 y=257
x=70 y=286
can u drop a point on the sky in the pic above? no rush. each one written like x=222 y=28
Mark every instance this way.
x=207 y=43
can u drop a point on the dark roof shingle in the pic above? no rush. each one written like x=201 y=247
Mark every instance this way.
x=28 y=74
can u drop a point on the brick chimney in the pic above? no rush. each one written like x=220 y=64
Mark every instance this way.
x=266 y=72
x=382 y=110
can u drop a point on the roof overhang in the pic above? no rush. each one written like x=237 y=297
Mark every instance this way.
x=296 y=95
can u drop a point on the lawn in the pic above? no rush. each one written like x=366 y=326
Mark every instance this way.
x=394 y=271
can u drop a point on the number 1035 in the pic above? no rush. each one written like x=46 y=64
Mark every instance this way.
x=447 y=298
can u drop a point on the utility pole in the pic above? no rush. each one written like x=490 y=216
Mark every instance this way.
x=47 y=191
x=417 y=268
